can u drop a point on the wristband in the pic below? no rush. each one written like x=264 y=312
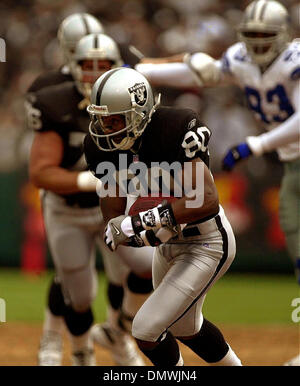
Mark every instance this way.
x=154 y=219
x=87 y=182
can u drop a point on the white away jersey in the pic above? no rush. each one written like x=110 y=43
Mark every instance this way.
x=271 y=95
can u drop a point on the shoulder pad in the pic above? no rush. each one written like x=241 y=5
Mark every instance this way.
x=57 y=99
x=234 y=56
x=51 y=106
x=49 y=79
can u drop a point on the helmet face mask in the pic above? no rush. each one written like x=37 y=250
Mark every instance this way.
x=264 y=30
x=115 y=135
x=95 y=54
x=87 y=72
x=121 y=92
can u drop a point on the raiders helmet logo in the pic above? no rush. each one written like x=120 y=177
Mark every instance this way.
x=139 y=92
x=149 y=219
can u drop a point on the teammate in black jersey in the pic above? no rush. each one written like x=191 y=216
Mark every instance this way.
x=71 y=30
x=194 y=241
x=70 y=204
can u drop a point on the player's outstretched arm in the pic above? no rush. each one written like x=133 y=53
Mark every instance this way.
x=167 y=59
x=284 y=134
x=197 y=70
x=176 y=75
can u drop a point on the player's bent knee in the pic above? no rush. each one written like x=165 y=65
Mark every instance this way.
x=81 y=300
x=147 y=328
x=81 y=289
x=83 y=303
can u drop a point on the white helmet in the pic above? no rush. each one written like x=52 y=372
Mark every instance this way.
x=270 y=19
x=73 y=28
x=126 y=92
x=94 y=47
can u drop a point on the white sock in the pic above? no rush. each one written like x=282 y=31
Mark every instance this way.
x=53 y=322
x=180 y=361
x=81 y=342
x=230 y=359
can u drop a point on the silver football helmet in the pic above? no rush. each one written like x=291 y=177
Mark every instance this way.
x=264 y=30
x=125 y=93
x=73 y=28
x=93 y=47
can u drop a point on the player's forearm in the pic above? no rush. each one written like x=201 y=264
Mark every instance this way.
x=55 y=179
x=62 y=181
x=168 y=59
x=202 y=207
x=168 y=74
x=201 y=196
x=286 y=133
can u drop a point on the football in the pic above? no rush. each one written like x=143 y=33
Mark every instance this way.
x=149 y=202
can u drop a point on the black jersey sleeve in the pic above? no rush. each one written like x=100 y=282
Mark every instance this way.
x=195 y=139
x=37 y=118
x=54 y=108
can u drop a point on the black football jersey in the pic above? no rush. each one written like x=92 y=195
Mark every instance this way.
x=50 y=78
x=173 y=134
x=56 y=109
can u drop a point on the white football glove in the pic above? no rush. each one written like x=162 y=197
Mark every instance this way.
x=113 y=233
x=87 y=182
x=255 y=145
x=204 y=67
x=149 y=228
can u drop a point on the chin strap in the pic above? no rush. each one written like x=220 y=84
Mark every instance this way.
x=83 y=104
x=128 y=143
x=154 y=107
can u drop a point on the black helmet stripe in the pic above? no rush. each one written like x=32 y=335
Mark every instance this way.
x=99 y=92
x=96 y=41
x=262 y=11
x=253 y=10
x=86 y=24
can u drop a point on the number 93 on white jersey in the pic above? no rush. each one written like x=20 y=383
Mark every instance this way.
x=273 y=96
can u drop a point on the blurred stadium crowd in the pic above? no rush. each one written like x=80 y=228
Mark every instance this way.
x=155 y=27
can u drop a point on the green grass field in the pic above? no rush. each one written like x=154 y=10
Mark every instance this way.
x=235 y=299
